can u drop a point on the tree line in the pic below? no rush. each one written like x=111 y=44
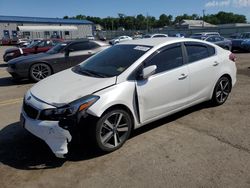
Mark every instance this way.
x=141 y=22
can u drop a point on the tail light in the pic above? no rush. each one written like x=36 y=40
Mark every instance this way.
x=232 y=57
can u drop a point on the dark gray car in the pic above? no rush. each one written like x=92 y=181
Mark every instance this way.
x=62 y=56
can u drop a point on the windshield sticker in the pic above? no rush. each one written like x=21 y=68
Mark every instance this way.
x=142 y=48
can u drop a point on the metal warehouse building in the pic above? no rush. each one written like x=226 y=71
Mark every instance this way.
x=36 y=27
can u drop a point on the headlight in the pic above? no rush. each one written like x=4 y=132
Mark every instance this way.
x=69 y=110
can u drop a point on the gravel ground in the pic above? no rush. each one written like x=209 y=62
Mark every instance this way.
x=199 y=147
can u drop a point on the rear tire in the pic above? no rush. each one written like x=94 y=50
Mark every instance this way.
x=39 y=71
x=112 y=130
x=221 y=91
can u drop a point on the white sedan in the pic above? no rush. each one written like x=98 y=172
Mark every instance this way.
x=125 y=87
x=120 y=39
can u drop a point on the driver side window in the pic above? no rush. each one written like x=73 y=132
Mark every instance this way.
x=167 y=58
x=79 y=46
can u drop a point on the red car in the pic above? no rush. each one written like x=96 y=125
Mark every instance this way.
x=33 y=48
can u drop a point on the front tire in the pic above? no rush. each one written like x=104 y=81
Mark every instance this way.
x=221 y=91
x=39 y=71
x=112 y=130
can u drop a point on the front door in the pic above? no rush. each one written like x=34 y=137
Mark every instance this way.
x=167 y=89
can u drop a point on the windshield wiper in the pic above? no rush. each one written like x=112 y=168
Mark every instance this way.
x=92 y=73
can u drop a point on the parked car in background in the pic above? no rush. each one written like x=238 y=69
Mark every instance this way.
x=179 y=35
x=33 y=48
x=125 y=87
x=204 y=35
x=245 y=45
x=6 y=41
x=22 y=43
x=90 y=37
x=236 y=43
x=119 y=39
x=156 y=35
x=101 y=36
x=235 y=36
x=64 y=55
x=220 y=41
x=137 y=36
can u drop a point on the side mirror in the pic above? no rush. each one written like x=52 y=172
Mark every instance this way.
x=148 y=71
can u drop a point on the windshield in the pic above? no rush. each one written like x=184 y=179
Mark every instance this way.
x=56 y=49
x=245 y=35
x=112 y=61
x=33 y=44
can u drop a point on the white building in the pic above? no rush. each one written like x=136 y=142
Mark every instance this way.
x=193 y=24
x=36 y=27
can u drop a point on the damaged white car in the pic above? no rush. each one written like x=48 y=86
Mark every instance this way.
x=124 y=87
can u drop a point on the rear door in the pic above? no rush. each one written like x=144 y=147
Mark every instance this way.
x=167 y=89
x=203 y=69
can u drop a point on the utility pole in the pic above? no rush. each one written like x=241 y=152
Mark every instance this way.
x=147 y=23
x=203 y=21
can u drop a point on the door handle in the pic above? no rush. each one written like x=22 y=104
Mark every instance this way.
x=89 y=52
x=183 y=76
x=216 y=63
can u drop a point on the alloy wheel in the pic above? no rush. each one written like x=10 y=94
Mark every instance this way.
x=223 y=90
x=114 y=130
x=40 y=71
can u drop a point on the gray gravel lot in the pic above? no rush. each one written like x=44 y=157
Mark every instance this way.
x=199 y=147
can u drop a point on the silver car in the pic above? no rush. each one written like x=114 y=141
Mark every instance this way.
x=125 y=87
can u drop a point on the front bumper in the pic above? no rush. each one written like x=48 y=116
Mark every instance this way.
x=16 y=73
x=7 y=57
x=55 y=137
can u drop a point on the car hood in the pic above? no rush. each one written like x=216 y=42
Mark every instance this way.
x=29 y=58
x=67 y=86
x=9 y=50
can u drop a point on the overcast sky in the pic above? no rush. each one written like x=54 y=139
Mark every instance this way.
x=104 y=8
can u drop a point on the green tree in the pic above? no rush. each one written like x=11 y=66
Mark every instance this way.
x=80 y=17
x=225 y=18
x=164 y=20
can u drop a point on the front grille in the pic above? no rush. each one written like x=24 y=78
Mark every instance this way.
x=30 y=111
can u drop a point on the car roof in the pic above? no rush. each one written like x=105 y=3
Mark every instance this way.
x=205 y=33
x=85 y=40
x=158 y=34
x=157 y=41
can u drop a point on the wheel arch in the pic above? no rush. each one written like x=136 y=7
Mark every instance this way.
x=230 y=79
x=226 y=75
x=122 y=107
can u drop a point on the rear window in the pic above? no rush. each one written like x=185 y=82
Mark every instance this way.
x=198 y=51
